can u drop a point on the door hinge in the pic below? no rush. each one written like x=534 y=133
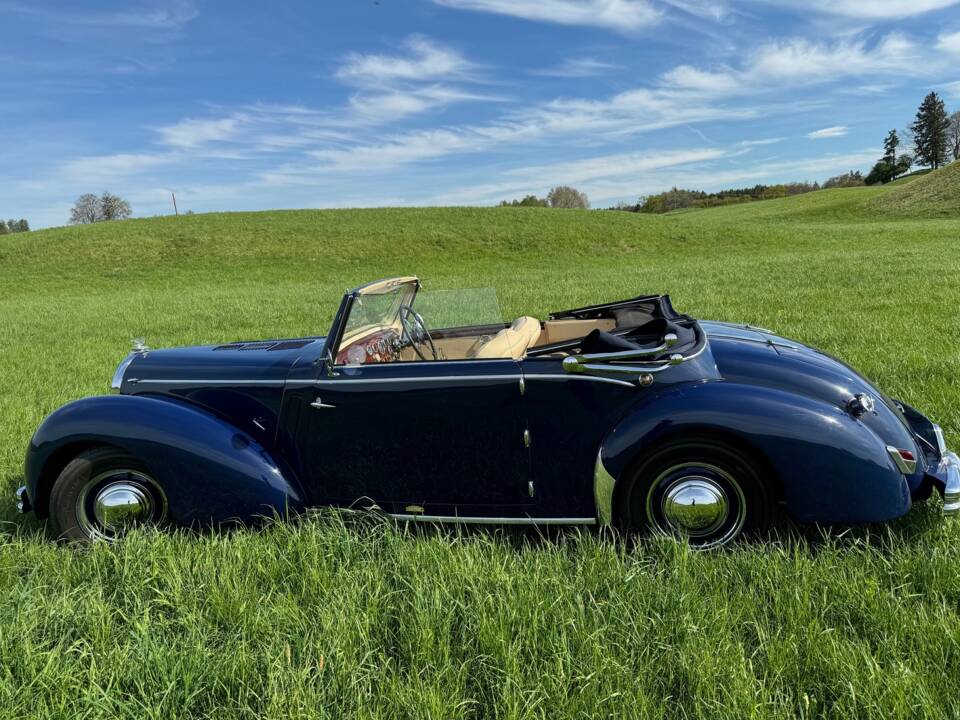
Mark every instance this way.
x=526 y=438
x=523 y=386
x=530 y=490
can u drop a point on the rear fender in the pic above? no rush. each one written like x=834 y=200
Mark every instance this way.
x=830 y=467
x=210 y=471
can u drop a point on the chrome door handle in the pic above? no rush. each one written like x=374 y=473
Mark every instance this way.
x=320 y=404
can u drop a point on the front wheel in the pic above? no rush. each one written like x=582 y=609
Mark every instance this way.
x=702 y=490
x=102 y=493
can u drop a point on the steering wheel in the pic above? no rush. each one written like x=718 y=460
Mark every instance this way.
x=415 y=332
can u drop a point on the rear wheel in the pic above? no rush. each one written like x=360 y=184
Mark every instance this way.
x=705 y=491
x=102 y=493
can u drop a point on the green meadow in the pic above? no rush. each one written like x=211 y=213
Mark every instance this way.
x=345 y=617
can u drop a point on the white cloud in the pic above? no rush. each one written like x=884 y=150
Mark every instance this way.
x=949 y=42
x=428 y=61
x=829 y=132
x=578 y=67
x=192 y=133
x=799 y=61
x=868 y=9
x=620 y=15
x=177 y=14
x=754 y=143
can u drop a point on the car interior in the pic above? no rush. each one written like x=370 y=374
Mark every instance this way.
x=638 y=324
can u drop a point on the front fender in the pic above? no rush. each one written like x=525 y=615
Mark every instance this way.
x=832 y=468
x=210 y=471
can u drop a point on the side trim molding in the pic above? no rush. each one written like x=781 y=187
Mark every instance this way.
x=462 y=520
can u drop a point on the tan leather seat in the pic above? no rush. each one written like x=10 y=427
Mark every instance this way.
x=511 y=342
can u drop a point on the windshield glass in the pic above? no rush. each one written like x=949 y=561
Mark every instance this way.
x=458 y=308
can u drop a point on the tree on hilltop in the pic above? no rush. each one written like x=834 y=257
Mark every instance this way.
x=930 y=131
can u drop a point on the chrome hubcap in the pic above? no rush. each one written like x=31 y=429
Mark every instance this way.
x=120 y=505
x=695 y=505
x=115 y=501
x=702 y=502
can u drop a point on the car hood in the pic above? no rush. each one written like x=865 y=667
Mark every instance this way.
x=243 y=363
x=754 y=356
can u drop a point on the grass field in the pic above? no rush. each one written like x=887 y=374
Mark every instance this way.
x=328 y=618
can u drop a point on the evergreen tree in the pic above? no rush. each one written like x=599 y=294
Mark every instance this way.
x=890 y=146
x=930 y=130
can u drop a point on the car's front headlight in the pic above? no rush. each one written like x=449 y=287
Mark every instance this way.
x=121 y=370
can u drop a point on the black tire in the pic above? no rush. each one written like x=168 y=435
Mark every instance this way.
x=109 y=474
x=665 y=486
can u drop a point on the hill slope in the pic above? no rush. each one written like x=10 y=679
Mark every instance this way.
x=934 y=194
x=360 y=619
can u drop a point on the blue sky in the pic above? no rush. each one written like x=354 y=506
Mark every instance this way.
x=243 y=105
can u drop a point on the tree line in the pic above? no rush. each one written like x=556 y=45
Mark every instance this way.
x=562 y=196
x=933 y=138
x=14 y=226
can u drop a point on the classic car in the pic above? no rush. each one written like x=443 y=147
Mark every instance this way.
x=428 y=407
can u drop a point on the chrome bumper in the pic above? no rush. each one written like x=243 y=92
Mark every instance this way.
x=950 y=469
x=23 y=502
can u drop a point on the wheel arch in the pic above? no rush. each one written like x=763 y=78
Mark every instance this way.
x=773 y=482
x=210 y=470
x=50 y=470
x=827 y=465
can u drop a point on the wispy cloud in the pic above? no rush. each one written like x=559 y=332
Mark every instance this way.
x=829 y=132
x=578 y=68
x=191 y=133
x=754 y=143
x=620 y=15
x=172 y=16
x=426 y=61
x=949 y=42
x=868 y=9
x=800 y=62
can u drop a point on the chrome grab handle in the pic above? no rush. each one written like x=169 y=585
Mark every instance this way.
x=607 y=363
x=320 y=404
x=582 y=364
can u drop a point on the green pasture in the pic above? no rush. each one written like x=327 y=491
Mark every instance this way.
x=345 y=617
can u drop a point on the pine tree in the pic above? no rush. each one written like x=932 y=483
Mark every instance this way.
x=890 y=146
x=930 y=132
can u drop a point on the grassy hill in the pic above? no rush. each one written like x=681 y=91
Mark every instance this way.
x=935 y=194
x=322 y=618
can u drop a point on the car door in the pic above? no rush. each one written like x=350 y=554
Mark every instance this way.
x=441 y=438
x=569 y=415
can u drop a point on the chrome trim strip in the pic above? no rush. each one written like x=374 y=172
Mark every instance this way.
x=907 y=467
x=951 y=489
x=463 y=520
x=603 y=485
x=456 y=378
x=176 y=381
x=432 y=378
x=594 y=378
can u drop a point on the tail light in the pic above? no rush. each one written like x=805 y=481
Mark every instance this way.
x=905 y=460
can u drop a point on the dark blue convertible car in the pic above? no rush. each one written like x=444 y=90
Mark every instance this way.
x=429 y=407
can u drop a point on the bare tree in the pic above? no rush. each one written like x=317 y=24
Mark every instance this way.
x=113 y=207
x=90 y=209
x=954 y=132
x=565 y=196
x=85 y=210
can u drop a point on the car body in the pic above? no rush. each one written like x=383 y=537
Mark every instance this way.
x=523 y=423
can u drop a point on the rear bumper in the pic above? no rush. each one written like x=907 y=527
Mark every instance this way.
x=23 y=501
x=948 y=473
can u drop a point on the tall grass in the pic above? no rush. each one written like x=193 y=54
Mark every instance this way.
x=351 y=617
